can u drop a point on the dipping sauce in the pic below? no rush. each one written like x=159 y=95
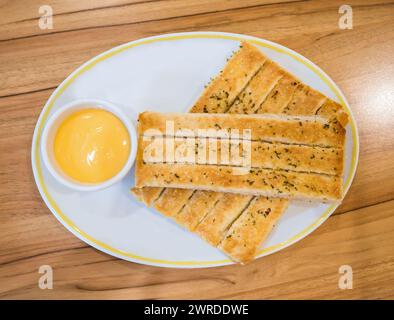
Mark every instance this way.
x=92 y=145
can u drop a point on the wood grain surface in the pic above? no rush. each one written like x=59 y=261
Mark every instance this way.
x=360 y=233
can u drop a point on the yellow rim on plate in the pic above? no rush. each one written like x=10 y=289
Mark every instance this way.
x=120 y=253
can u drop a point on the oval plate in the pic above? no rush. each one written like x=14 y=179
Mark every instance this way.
x=167 y=73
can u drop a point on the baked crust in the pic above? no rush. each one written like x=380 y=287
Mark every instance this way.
x=264 y=182
x=280 y=95
x=147 y=195
x=305 y=101
x=137 y=192
x=263 y=155
x=195 y=210
x=253 y=226
x=314 y=130
x=226 y=211
x=333 y=111
x=257 y=89
x=165 y=204
x=222 y=91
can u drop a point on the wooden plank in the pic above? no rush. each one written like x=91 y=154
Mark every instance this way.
x=21 y=18
x=359 y=60
x=362 y=239
x=325 y=44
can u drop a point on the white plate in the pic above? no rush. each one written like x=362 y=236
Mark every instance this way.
x=167 y=73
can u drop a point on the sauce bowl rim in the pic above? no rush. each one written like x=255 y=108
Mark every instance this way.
x=46 y=143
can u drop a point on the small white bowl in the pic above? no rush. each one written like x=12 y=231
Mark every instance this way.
x=50 y=130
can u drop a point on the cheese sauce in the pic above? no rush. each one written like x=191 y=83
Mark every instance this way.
x=92 y=145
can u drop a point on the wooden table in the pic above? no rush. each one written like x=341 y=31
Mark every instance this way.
x=361 y=232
